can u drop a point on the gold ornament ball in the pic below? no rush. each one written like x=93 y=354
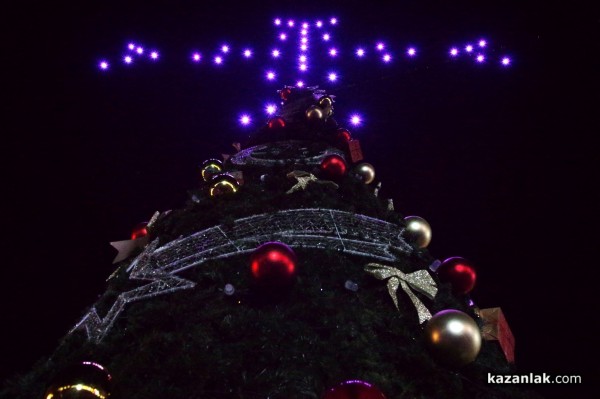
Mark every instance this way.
x=453 y=338
x=418 y=231
x=325 y=102
x=314 y=113
x=366 y=172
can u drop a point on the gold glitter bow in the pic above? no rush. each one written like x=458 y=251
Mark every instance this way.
x=420 y=281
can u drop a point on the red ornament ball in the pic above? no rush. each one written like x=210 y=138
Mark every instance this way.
x=459 y=273
x=140 y=230
x=343 y=135
x=276 y=123
x=273 y=264
x=354 y=389
x=285 y=93
x=333 y=166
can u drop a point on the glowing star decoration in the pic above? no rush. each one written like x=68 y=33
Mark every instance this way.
x=245 y=119
x=127 y=59
x=469 y=48
x=480 y=58
x=482 y=43
x=319 y=24
x=453 y=52
x=196 y=57
x=270 y=109
x=275 y=53
x=411 y=52
x=505 y=61
x=299 y=83
x=277 y=22
x=247 y=53
x=103 y=65
x=282 y=36
x=360 y=52
x=333 y=52
x=139 y=50
x=326 y=37
x=355 y=120
x=333 y=21
x=387 y=58
x=380 y=46
x=154 y=55
x=225 y=49
x=332 y=77
x=270 y=75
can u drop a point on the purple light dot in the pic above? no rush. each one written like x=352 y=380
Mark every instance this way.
x=131 y=46
x=282 y=36
x=411 y=51
x=218 y=60
x=303 y=67
x=154 y=55
x=333 y=52
x=225 y=48
x=103 y=65
x=139 y=50
x=355 y=120
x=245 y=119
x=271 y=75
x=453 y=51
x=247 y=53
x=332 y=77
x=303 y=32
x=299 y=83
x=469 y=48
x=303 y=47
x=482 y=43
x=326 y=37
x=386 y=58
x=128 y=59
x=275 y=53
x=270 y=109
x=291 y=23
x=480 y=58
x=277 y=21
x=319 y=24
x=380 y=46
x=196 y=57
x=360 y=52
x=302 y=58
x=333 y=21
x=304 y=40
x=505 y=61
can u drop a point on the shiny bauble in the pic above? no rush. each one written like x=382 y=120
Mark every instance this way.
x=140 y=230
x=325 y=102
x=365 y=171
x=453 y=338
x=223 y=183
x=459 y=272
x=276 y=123
x=343 y=135
x=285 y=93
x=417 y=231
x=273 y=265
x=314 y=114
x=209 y=168
x=84 y=380
x=354 y=389
x=333 y=167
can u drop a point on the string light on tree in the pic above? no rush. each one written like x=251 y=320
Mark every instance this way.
x=131 y=46
x=387 y=58
x=282 y=36
x=139 y=50
x=380 y=46
x=333 y=21
x=277 y=22
x=196 y=57
x=326 y=37
x=360 y=52
x=356 y=120
x=333 y=52
x=482 y=43
x=127 y=59
x=245 y=119
x=332 y=77
x=453 y=52
x=247 y=53
x=103 y=65
x=270 y=75
x=218 y=60
x=275 y=53
x=299 y=83
x=225 y=49
x=480 y=58
x=319 y=24
x=270 y=109
x=411 y=52
x=154 y=55
x=291 y=23
x=505 y=61
x=469 y=48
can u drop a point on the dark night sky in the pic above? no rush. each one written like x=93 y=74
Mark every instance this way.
x=497 y=160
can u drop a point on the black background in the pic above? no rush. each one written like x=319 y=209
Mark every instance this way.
x=500 y=161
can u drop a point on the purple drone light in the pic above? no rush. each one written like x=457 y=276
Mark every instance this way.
x=196 y=57
x=139 y=50
x=277 y=21
x=127 y=59
x=469 y=48
x=247 y=53
x=380 y=46
x=103 y=65
x=326 y=37
x=282 y=36
x=333 y=21
x=319 y=24
x=270 y=75
x=505 y=61
x=218 y=60
x=360 y=52
x=387 y=58
x=245 y=119
x=482 y=43
x=480 y=58
x=333 y=52
x=154 y=55
x=275 y=53
x=270 y=109
x=332 y=77
x=411 y=51
x=453 y=52
x=299 y=83
x=355 y=120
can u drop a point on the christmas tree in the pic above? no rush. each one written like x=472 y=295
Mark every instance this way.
x=286 y=275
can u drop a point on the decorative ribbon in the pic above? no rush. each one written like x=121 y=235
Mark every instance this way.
x=420 y=281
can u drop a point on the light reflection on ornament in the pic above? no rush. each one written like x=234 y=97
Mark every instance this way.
x=360 y=52
x=271 y=108
x=469 y=48
x=103 y=65
x=480 y=58
x=411 y=52
x=127 y=59
x=326 y=37
x=505 y=61
x=453 y=51
x=455 y=327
